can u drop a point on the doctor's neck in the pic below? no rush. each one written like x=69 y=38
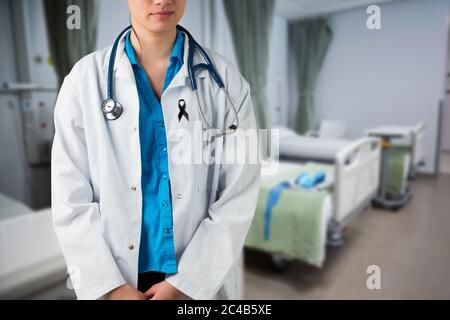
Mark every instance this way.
x=152 y=45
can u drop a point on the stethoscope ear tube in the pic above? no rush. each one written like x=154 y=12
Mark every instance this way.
x=192 y=70
x=112 y=109
x=112 y=59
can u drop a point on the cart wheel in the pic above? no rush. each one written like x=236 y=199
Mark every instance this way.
x=280 y=263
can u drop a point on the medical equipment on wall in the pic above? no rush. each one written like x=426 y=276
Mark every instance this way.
x=112 y=109
x=34 y=118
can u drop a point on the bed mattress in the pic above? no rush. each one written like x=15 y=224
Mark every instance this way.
x=310 y=148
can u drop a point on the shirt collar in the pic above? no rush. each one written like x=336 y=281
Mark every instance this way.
x=177 y=49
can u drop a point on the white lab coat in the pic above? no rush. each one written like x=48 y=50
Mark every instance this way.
x=96 y=176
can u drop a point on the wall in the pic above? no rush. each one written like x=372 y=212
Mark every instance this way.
x=389 y=76
x=446 y=111
x=113 y=18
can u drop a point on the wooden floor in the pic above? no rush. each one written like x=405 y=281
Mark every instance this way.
x=411 y=247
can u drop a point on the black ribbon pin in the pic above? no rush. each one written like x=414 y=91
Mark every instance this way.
x=182 y=113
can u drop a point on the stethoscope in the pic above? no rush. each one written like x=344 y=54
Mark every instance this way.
x=112 y=109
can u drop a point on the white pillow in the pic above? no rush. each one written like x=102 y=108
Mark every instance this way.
x=285 y=132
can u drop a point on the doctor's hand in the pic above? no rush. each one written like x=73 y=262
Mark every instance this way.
x=165 y=291
x=125 y=292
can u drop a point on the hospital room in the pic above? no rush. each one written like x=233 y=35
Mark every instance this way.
x=349 y=198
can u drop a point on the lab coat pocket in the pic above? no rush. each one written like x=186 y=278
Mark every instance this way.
x=205 y=170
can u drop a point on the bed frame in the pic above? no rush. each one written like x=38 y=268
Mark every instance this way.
x=356 y=182
x=417 y=152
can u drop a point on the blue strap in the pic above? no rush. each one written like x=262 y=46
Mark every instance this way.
x=319 y=177
x=305 y=181
x=301 y=178
x=272 y=200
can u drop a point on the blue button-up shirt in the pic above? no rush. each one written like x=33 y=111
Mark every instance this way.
x=157 y=250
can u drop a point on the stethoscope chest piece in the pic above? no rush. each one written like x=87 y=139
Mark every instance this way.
x=111 y=109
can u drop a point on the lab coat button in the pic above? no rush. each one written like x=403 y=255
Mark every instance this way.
x=178 y=195
x=131 y=247
x=133 y=188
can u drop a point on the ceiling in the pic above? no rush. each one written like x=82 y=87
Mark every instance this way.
x=298 y=9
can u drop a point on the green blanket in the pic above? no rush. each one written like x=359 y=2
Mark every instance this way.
x=397 y=160
x=297 y=227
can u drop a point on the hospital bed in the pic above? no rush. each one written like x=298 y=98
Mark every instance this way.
x=396 y=167
x=10 y=208
x=30 y=257
x=304 y=221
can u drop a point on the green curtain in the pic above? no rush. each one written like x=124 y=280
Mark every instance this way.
x=309 y=41
x=68 y=46
x=250 y=22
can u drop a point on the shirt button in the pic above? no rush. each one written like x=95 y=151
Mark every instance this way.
x=167 y=230
x=164 y=149
x=131 y=247
x=178 y=195
x=164 y=176
x=165 y=204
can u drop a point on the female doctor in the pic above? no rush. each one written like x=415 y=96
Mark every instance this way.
x=132 y=222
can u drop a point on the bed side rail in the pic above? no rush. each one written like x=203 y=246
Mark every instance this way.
x=357 y=173
x=418 y=144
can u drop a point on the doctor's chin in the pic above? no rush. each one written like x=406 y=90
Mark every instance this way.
x=247 y=151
